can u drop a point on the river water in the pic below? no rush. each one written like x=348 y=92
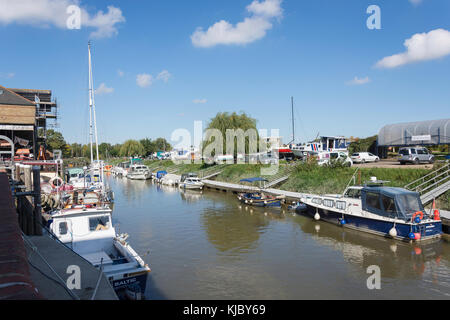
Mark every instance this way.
x=208 y=246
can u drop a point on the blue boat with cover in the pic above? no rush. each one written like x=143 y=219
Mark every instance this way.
x=386 y=211
x=259 y=198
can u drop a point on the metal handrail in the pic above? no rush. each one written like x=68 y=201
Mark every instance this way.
x=434 y=184
x=417 y=188
x=447 y=166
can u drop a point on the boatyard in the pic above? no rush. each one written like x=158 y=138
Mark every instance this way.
x=160 y=189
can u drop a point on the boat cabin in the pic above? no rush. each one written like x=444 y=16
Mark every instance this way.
x=188 y=175
x=391 y=202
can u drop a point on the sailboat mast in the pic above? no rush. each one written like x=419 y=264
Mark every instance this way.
x=90 y=103
x=293 y=122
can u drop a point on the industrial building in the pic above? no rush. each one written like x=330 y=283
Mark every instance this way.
x=421 y=133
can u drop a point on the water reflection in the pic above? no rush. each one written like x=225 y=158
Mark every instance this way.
x=210 y=246
x=191 y=196
x=397 y=260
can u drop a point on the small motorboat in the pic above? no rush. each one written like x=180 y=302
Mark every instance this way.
x=89 y=232
x=259 y=198
x=139 y=172
x=191 y=184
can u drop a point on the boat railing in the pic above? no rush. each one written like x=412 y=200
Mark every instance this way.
x=353 y=178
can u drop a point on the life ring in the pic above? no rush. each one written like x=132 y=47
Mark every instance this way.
x=418 y=213
x=58 y=184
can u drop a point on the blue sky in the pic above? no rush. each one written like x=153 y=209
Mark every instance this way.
x=312 y=50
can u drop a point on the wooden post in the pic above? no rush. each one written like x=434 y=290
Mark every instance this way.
x=37 y=213
x=359 y=177
x=21 y=200
x=17 y=172
x=28 y=208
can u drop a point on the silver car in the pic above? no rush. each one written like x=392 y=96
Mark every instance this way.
x=415 y=155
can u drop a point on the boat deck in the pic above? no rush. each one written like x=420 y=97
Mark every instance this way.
x=60 y=258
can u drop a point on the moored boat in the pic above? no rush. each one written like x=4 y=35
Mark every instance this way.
x=259 y=198
x=191 y=183
x=386 y=211
x=139 y=172
x=90 y=233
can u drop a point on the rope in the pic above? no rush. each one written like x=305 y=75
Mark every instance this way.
x=99 y=279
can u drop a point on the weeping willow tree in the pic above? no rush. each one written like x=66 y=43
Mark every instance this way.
x=132 y=148
x=231 y=134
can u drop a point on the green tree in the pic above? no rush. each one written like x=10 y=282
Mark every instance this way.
x=132 y=148
x=161 y=144
x=149 y=146
x=104 y=149
x=55 y=140
x=224 y=121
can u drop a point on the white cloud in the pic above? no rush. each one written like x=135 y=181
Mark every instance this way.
x=358 y=81
x=164 y=76
x=46 y=13
x=420 y=47
x=251 y=29
x=144 y=80
x=416 y=2
x=8 y=75
x=103 y=89
x=199 y=101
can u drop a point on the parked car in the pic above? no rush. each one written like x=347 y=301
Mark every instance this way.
x=326 y=158
x=415 y=155
x=363 y=157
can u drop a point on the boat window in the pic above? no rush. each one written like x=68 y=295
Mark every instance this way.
x=353 y=193
x=63 y=228
x=373 y=200
x=389 y=206
x=99 y=223
x=316 y=201
x=409 y=204
x=328 y=203
x=341 y=205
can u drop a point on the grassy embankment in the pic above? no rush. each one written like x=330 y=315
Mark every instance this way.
x=308 y=178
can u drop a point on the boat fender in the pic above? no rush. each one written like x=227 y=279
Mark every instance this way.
x=317 y=216
x=417 y=217
x=393 y=232
x=436 y=215
x=343 y=222
x=265 y=202
x=415 y=236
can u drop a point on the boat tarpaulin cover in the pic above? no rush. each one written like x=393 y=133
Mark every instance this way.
x=251 y=180
x=415 y=133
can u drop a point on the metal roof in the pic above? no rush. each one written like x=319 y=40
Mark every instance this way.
x=431 y=132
